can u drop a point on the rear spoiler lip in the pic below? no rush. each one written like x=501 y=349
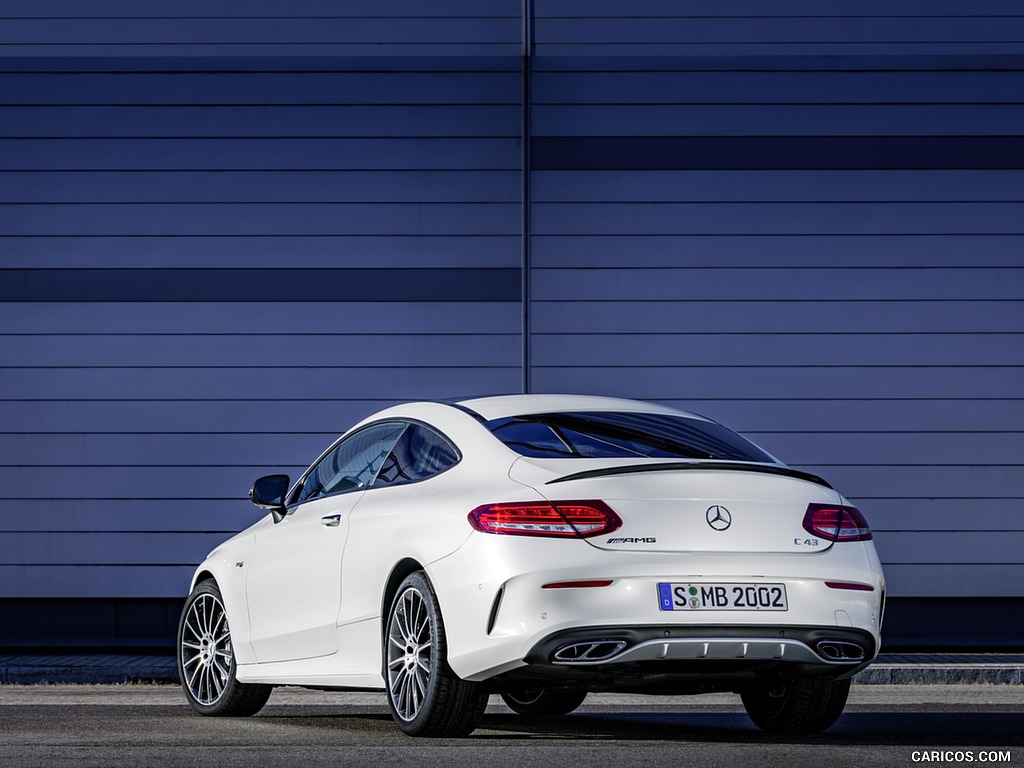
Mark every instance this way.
x=671 y=466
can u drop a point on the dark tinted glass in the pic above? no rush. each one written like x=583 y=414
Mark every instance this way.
x=419 y=453
x=353 y=463
x=530 y=438
x=605 y=434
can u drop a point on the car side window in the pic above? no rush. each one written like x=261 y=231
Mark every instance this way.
x=353 y=463
x=418 y=454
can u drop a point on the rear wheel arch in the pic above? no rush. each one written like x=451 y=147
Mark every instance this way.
x=425 y=696
x=401 y=571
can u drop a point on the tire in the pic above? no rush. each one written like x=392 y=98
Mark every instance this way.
x=538 y=701
x=206 y=661
x=425 y=697
x=802 y=705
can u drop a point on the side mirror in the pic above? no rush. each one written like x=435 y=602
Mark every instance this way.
x=269 y=492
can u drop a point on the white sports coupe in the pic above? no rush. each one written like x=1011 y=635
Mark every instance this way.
x=540 y=547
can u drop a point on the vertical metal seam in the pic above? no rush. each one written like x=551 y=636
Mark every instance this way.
x=525 y=128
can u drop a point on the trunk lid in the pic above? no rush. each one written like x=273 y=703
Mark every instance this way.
x=698 y=507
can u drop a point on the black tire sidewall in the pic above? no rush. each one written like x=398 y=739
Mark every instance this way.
x=438 y=652
x=809 y=705
x=546 y=702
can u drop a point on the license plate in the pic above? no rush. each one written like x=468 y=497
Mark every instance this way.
x=722 y=597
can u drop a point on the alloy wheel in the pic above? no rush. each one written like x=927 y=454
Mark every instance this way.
x=206 y=649
x=410 y=640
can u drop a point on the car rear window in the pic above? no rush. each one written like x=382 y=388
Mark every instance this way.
x=613 y=434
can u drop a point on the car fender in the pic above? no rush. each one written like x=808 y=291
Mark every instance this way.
x=227 y=565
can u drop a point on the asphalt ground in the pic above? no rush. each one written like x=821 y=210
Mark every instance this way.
x=151 y=725
x=888 y=669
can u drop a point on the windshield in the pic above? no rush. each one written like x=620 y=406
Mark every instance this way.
x=612 y=434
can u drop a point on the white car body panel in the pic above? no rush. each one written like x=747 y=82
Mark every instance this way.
x=294 y=569
x=305 y=600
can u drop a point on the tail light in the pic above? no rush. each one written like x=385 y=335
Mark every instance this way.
x=835 y=523
x=560 y=519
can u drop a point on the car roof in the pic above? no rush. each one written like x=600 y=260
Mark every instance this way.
x=504 y=406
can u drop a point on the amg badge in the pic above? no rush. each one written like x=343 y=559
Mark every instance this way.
x=644 y=540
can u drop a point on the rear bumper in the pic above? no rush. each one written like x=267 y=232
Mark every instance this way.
x=655 y=659
x=506 y=618
x=832 y=647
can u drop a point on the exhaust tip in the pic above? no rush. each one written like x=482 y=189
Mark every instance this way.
x=590 y=651
x=840 y=650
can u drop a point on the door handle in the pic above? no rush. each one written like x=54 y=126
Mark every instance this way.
x=331 y=521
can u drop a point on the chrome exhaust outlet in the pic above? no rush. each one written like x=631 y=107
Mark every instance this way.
x=838 y=650
x=590 y=651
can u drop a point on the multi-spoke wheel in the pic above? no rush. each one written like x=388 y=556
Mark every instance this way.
x=540 y=701
x=206 y=662
x=425 y=696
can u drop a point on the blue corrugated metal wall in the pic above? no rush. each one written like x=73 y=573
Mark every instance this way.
x=228 y=230
x=214 y=264
x=825 y=252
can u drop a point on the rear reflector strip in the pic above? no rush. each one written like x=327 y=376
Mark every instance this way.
x=577 y=584
x=850 y=585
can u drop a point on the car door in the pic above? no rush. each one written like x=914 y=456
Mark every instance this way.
x=293 y=585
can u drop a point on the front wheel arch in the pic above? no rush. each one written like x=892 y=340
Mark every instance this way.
x=206 y=661
x=199 y=578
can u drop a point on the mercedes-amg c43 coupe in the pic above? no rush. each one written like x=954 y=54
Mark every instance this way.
x=539 y=547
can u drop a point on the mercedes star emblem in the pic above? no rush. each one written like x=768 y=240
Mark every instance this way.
x=718 y=517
